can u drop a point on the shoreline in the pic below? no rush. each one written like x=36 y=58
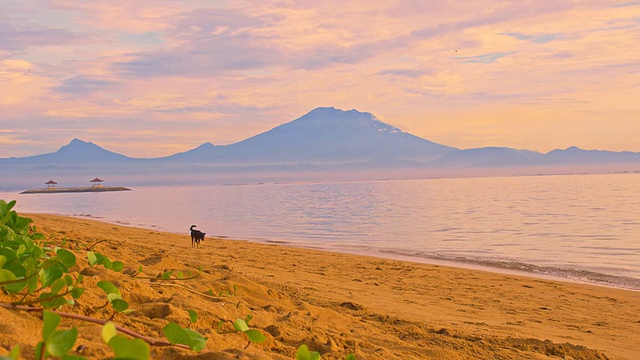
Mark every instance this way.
x=577 y=276
x=376 y=308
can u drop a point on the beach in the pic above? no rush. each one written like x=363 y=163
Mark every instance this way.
x=335 y=303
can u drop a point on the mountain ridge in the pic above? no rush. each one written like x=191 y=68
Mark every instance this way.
x=323 y=140
x=78 y=149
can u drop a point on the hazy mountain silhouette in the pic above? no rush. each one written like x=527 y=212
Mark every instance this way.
x=203 y=153
x=489 y=157
x=577 y=155
x=332 y=135
x=323 y=140
x=74 y=153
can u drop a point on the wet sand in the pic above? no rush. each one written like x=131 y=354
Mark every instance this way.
x=335 y=303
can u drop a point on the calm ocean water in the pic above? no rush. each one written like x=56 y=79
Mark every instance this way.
x=580 y=227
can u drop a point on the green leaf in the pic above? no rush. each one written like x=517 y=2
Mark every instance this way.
x=193 y=316
x=76 y=293
x=55 y=302
x=17 y=268
x=66 y=257
x=177 y=335
x=240 y=325
x=58 y=285
x=167 y=275
x=350 y=357
x=6 y=275
x=109 y=287
x=106 y=262
x=51 y=322
x=255 y=336
x=134 y=349
x=119 y=305
x=92 y=258
x=13 y=355
x=3 y=260
x=108 y=332
x=117 y=266
x=37 y=252
x=8 y=213
x=48 y=276
x=9 y=253
x=303 y=353
x=61 y=341
x=197 y=341
x=113 y=296
x=32 y=284
x=9 y=205
x=39 y=349
x=16 y=287
x=248 y=318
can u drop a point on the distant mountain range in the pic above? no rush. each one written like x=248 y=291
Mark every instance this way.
x=346 y=144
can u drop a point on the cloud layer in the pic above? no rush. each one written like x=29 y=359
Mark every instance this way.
x=147 y=78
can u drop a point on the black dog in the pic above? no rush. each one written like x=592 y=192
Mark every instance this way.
x=196 y=236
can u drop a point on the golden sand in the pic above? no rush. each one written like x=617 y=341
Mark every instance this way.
x=335 y=303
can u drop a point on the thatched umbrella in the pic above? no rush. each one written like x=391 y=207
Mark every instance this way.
x=96 y=182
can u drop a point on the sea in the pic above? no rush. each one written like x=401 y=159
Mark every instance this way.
x=580 y=227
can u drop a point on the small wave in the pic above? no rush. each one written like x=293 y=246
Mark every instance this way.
x=585 y=276
x=276 y=242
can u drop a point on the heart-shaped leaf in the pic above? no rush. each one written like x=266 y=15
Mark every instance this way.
x=177 y=335
x=117 y=266
x=193 y=316
x=108 y=332
x=51 y=322
x=109 y=287
x=92 y=258
x=61 y=341
x=240 y=325
x=66 y=257
x=131 y=349
x=255 y=336
x=119 y=305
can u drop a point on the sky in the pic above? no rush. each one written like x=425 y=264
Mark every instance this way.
x=150 y=78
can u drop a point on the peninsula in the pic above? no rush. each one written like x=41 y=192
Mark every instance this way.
x=76 y=190
x=96 y=186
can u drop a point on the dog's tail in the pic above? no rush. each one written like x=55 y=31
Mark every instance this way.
x=192 y=226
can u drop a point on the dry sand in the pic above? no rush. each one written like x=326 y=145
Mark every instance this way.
x=335 y=303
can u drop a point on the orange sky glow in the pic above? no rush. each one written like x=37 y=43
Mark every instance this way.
x=151 y=78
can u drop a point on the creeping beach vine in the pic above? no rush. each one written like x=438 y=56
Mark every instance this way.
x=39 y=277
